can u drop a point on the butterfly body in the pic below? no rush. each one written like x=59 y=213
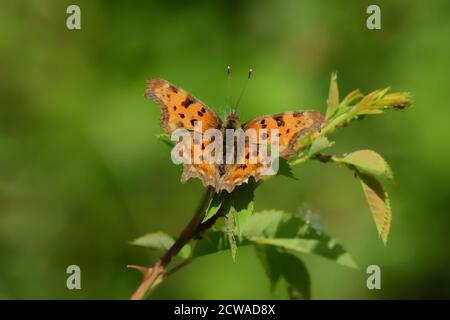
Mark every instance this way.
x=180 y=110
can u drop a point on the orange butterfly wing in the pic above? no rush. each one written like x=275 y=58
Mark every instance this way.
x=291 y=126
x=179 y=109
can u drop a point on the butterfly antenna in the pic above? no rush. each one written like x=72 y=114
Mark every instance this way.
x=250 y=71
x=229 y=86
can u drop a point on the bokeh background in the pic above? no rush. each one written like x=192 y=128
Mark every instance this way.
x=82 y=174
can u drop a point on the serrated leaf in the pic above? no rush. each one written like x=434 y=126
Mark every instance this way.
x=368 y=161
x=333 y=97
x=284 y=230
x=160 y=241
x=326 y=248
x=263 y=224
x=279 y=229
x=284 y=169
x=379 y=204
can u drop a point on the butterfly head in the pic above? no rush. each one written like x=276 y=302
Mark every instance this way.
x=232 y=121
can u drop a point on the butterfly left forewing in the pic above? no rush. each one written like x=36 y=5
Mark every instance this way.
x=181 y=110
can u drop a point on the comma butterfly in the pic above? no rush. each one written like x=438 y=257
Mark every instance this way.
x=179 y=109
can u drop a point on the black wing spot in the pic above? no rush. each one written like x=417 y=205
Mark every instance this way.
x=279 y=120
x=181 y=115
x=173 y=89
x=193 y=122
x=287 y=131
x=203 y=109
x=174 y=107
x=186 y=103
x=263 y=121
x=263 y=126
x=200 y=114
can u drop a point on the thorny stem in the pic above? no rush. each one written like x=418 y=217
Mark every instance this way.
x=155 y=274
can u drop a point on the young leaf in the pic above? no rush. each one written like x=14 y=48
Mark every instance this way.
x=370 y=162
x=333 y=97
x=165 y=138
x=160 y=241
x=319 y=145
x=230 y=226
x=379 y=204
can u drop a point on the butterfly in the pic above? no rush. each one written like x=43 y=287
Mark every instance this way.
x=179 y=109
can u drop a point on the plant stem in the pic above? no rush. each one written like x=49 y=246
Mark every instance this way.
x=189 y=231
x=156 y=274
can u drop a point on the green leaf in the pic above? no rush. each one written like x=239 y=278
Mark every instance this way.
x=263 y=224
x=284 y=169
x=212 y=241
x=279 y=264
x=269 y=257
x=242 y=198
x=296 y=275
x=160 y=241
x=333 y=97
x=278 y=229
x=165 y=138
x=214 y=205
x=370 y=162
x=230 y=226
x=379 y=204
x=352 y=98
x=319 y=145
x=286 y=231
x=242 y=201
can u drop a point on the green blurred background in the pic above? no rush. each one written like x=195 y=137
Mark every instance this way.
x=82 y=174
